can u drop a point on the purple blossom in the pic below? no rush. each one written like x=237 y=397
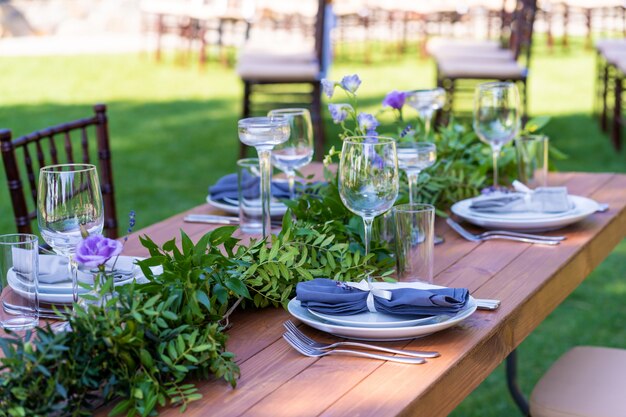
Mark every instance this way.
x=371 y=133
x=328 y=87
x=395 y=99
x=351 y=83
x=367 y=122
x=339 y=112
x=95 y=250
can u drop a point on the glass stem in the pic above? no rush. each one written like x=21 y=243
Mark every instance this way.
x=367 y=237
x=427 y=118
x=291 y=179
x=72 y=267
x=496 y=151
x=266 y=189
x=413 y=191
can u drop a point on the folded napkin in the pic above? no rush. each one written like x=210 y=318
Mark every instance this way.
x=334 y=297
x=226 y=187
x=541 y=200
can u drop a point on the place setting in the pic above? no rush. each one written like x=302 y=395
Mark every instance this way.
x=518 y=208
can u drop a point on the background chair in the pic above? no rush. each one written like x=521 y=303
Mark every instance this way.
x=272 y=72
x=487 y=62
x=64 y=143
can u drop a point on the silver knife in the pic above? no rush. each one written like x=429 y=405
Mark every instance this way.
x=211 y=219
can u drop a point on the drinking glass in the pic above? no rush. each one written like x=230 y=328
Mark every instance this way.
x=426 y=102
x=368 y=178
x=413 y=157
x=69 y=205
x=415 y=228
x=264 y=133
x=496 y=117
x=19 y=281
x=297 y=151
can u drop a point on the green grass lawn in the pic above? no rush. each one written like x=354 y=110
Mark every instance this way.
x=173 y=132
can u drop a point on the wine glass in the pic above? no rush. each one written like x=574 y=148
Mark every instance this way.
x=368 y=178
x=413 y=157
x=264 y=133
x=69 y=206
x=496 y=117
x=426 y=102
x=297 y=151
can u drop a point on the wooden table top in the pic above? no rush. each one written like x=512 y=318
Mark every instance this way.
x=531 y=281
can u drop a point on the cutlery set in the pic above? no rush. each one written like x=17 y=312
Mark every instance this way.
x=505 y=235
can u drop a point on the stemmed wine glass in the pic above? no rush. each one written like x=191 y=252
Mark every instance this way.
x=496 y=117
x=426 y=102
x=413 y=157
x=368 y=178
x=264 y=133
x=297 y=151
x=69 y=205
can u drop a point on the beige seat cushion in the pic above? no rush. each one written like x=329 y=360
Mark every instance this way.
x=585 y=382
x=441 y=45
x=484 y=69
x=613 y=56
x=279 y=71
x=605 y=45
x=471 y=52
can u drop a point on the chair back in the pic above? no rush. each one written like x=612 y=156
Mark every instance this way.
x=64 y=143
x=323 y=25
x=522 y=29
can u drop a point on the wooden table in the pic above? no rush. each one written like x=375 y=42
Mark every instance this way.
x=531 y=281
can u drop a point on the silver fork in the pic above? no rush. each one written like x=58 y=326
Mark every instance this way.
x=544 y=240
x=293 y=329
x=307 y=350
x=510 y=233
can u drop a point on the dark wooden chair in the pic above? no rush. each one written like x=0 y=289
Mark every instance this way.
x=454 y=73
x=275 y=80
x=63 y=143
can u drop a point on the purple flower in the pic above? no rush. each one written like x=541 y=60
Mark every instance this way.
x=351 y=83
x=339 y=112
x=395 y=99
x=371 y=133
x=328 y=87
x=95 y=250
x=367 y=122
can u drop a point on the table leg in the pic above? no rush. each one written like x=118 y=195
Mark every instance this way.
x=511 y=380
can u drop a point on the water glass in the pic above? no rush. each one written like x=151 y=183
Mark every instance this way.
x=249 y=193
x=415 y=249
x=496 y=117
x=297 y=151
x=532 y=160
x=19 y=269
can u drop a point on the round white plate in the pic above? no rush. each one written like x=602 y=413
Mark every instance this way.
x=59 y=296
x=385 y=333
x=368 y=319
x=530 y=222
x=276 y=208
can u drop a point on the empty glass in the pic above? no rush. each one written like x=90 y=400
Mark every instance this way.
x=69 y=205
x=532 y=160
x=248 y=180
x=415 y=227
x=413 y=157
x=297 y=151
x=264 y=133
x=426 y=102
x=368 y=178
x=18 y=281
x=496 y=117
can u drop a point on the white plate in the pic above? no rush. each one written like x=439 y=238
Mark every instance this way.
x=276 y=208
x=61 y=297
x=386 y=333
x=368 y=319
x=530 y=222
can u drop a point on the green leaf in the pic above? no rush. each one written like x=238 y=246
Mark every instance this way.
x=237 y=287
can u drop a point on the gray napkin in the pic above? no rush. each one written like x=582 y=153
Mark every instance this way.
x=541 y=200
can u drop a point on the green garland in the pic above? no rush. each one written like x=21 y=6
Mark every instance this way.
x=148 y=339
